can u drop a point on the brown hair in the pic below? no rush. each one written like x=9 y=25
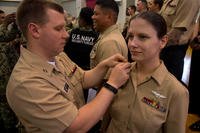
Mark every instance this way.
x=34 y=11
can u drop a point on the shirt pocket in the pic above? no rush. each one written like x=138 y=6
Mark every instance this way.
x=154 y=118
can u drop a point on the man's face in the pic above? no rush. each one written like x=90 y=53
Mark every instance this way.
x=139 y=6
x=99 y=19
x=53 y=35
x=2 y=17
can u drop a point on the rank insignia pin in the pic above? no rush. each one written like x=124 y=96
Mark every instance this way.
x=73 y=71
x=66 y=87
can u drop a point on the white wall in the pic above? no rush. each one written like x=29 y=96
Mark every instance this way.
x=9 y=7
x=72 y=6
x=122 y=14
x=130 y=2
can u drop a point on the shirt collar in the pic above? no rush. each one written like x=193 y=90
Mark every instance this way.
x=36 y=61
x=158 y=75
x=110 y=29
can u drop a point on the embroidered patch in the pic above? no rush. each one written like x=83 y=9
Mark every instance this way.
x=154 y=104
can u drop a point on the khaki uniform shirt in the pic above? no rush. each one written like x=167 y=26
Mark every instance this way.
x=45 y=98
x=109 y=43
x=180 y=13
x=158 y=105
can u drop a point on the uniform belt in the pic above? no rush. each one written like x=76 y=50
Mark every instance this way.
x=3 y=98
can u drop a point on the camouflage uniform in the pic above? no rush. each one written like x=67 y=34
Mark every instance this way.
x=8 y=58
x=8 y=35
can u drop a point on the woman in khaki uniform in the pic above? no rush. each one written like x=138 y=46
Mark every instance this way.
x=153 y=100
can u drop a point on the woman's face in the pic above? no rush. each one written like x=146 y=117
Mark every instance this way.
x=143 y=41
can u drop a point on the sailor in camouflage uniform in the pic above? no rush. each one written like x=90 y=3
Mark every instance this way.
x=6 y=34
x=9 y=43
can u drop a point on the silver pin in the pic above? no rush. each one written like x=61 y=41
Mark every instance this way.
x=158 y=95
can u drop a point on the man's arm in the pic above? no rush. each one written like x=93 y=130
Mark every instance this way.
x=95 y=76
x=92 y=112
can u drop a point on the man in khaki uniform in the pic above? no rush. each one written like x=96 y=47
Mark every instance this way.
x=45 y=89
x=110 y=40
x=180 y=17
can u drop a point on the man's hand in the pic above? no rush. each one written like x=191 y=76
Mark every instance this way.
x=195 y=44
x=114 y=60
x=174 y=36
x=119 y=74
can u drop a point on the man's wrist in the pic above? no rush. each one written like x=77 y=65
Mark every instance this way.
x=110 y=87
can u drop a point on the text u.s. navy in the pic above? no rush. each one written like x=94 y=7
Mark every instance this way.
x=77 y=38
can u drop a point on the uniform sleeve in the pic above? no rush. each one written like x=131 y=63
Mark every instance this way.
x=105 y=122
x=178 y=111
x=107 y=49
x=184 y=15
x=43 y=105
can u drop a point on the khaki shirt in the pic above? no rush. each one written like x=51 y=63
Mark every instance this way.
x=180 y=13
x=45 y=98
x=109 y=43
x=158 y=105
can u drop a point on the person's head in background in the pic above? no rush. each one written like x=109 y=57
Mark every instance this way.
x=147 y=37
x=141 y=6
x=105 y=14
x=85 y=17
x=132 y=10
x=2 y=16
x=155 y=5
x=43 y=25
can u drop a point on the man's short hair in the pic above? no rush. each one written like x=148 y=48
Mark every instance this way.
x=34 y=11
x=133 y=7
x=108 y=4
x=159 y=2
x=144 y=1
x=86 y=15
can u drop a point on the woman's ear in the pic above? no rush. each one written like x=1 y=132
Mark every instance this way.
x=164 y=41
x=34 y=30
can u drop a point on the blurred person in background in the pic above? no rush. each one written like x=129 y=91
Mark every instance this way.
x=141 y=6
x=155 y=5
x=2 y=16
x=180 y=20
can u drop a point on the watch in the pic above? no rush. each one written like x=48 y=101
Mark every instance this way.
x=110 y=88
